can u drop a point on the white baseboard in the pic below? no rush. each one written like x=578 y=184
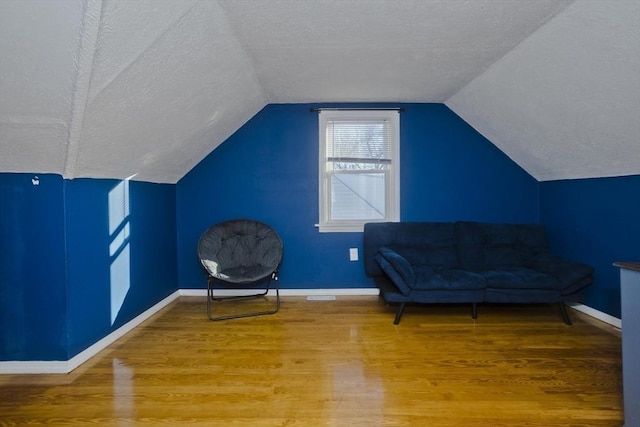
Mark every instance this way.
x=34 y=367
x=66 y=366
x=607 y=318
x=286 y=292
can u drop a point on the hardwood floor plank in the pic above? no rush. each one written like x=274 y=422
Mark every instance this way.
x=337 y=363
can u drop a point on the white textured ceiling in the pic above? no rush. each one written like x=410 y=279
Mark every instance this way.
x=368 y=50
x=565 y=103
x=147 y=88
x=142 y=88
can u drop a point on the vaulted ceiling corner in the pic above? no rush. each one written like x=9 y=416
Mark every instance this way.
x=144 y=89
x=565 y=103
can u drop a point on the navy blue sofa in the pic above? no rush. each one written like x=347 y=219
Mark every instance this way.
x=469 y=262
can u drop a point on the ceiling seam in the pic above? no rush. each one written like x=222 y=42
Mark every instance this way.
x=145 y=50
x=543 y=23
x=86 y=58
x=245 y=50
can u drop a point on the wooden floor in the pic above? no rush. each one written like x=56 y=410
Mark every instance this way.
x=338 y=363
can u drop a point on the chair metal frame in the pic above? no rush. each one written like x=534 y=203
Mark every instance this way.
x=211 y=298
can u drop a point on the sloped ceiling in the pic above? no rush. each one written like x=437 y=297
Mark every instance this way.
x=565 y=103
x=147 y=88
x=142 y=89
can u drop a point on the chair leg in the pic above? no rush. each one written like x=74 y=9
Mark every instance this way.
x=399 y=313
x=474 y=310
x=565 y=314
x=211 y=298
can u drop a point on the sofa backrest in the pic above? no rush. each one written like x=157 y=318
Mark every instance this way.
x=421 y=243
x=488 y=245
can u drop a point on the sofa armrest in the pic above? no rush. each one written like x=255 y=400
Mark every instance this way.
x=397 y=268
x=567 y=272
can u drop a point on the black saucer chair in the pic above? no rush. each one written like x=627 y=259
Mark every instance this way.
x=240 y=254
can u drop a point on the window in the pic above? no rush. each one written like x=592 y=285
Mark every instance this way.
x=359 y=168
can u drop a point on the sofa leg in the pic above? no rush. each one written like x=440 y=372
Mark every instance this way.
x=474 y=310
x=565 y=315
x=399 y=314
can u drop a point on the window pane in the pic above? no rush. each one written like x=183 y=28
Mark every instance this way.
x=357 y=196
x=362 y=139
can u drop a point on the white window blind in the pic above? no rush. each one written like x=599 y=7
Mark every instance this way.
x=358 y=168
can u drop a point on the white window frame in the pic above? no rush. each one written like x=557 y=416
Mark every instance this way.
x=392 y=172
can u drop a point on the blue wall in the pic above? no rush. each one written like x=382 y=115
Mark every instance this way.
x=60 y=260
x=114 y=249
x=268 y=170
x=595 y=221
x=33 y=306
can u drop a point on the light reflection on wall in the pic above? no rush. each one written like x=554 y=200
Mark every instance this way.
x=119 y=251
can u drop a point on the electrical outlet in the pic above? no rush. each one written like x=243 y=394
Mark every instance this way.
x=353 y=254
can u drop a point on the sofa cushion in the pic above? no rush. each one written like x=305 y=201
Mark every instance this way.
x=569 y=274
x=484 y=245
x=519 y=278
x=441 y=253
x=428 y=278
x=403 y=281
x=400 y=264
x=435 y=239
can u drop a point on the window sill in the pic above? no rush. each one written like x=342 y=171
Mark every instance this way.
x=357 y=228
